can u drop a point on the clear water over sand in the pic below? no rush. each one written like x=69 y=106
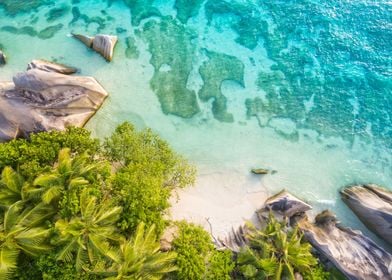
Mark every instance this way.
x=300 y=87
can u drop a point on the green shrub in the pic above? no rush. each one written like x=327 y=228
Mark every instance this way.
x=197 y=257
x=34 y=156
x=149 y=170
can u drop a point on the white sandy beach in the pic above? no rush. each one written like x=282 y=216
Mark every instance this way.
x=221 y=200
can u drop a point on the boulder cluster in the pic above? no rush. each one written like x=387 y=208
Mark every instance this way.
x=350 y=251
x=46 y=97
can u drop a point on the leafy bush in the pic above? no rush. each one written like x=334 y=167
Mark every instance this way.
x=33 y=156
x=196 y=256
x=149 y=171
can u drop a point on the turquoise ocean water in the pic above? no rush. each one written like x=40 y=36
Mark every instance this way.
x=302 y=87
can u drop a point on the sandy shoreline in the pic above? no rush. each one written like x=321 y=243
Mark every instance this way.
x=221 y=200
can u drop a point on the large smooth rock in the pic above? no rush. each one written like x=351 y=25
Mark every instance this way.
x=373 y=206
x=3 y=58
x=39 y=101
x=103 y=44
x=286 y=204
x=87 y=40
x=354 y=254
x=51 y=67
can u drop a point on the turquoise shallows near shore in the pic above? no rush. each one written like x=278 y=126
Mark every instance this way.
x=301 y=87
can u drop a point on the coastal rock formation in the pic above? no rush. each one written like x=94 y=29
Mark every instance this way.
x=373 y=206
x=38 y=100
x=51 y=67
x=355 y=255
x=102 y=44
x=286 y=204
x=2 y=58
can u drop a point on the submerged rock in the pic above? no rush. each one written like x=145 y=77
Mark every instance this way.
x=51 y=67
x=3 y=58
x=40 y=101
x=102 y=44
x=354 y=254
x=373 y=206
x=260 y=171
x=286 y=204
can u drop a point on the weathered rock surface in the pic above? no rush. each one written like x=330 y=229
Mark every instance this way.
x=235 y=240
x=286 y=204
x=51 y=67
x=39 y=101
x=87 y=40
x=355 y=255
x=3 y=58
x=103 y=44
x=373 y=206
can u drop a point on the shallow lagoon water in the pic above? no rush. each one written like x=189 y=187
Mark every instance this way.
x=301 y=87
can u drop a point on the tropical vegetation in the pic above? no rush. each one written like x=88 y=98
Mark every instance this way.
x=72 y=208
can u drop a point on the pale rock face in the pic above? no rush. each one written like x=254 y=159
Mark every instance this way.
x=2 y=58
x=373 y=206
x=354 y=254
x=102 y=44
x=286 y=204
x=51 y=67
x=38 y=100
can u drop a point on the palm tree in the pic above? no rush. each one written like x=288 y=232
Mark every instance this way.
x=68 y=177
x=20 y=231
x=12 y=187
x=139 y=258
x=275 y=253
x=85 y=238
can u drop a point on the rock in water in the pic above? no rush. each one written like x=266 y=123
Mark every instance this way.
x=2 y=58
x=286 y=204
x=41 y=101
x=88 y=41
x=354 y=254
x=373 y=206
x=260 y=171
x=104 y=44
x=51 y=67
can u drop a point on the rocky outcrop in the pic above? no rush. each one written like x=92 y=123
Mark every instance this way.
x=355 y=255
x=373 y=206
x=286 y=204
x=39 y=100
x=3 y=58
x=103 y=44
x=51 y=67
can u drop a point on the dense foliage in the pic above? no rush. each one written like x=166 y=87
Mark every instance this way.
x=278 y=252
x=197 y=258
x=71 y=208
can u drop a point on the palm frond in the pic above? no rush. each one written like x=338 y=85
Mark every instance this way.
x=8 y=262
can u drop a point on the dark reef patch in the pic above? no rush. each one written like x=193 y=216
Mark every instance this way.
x=187 y=9
x=141 y=9
x=219 y=68
x=172 y=53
